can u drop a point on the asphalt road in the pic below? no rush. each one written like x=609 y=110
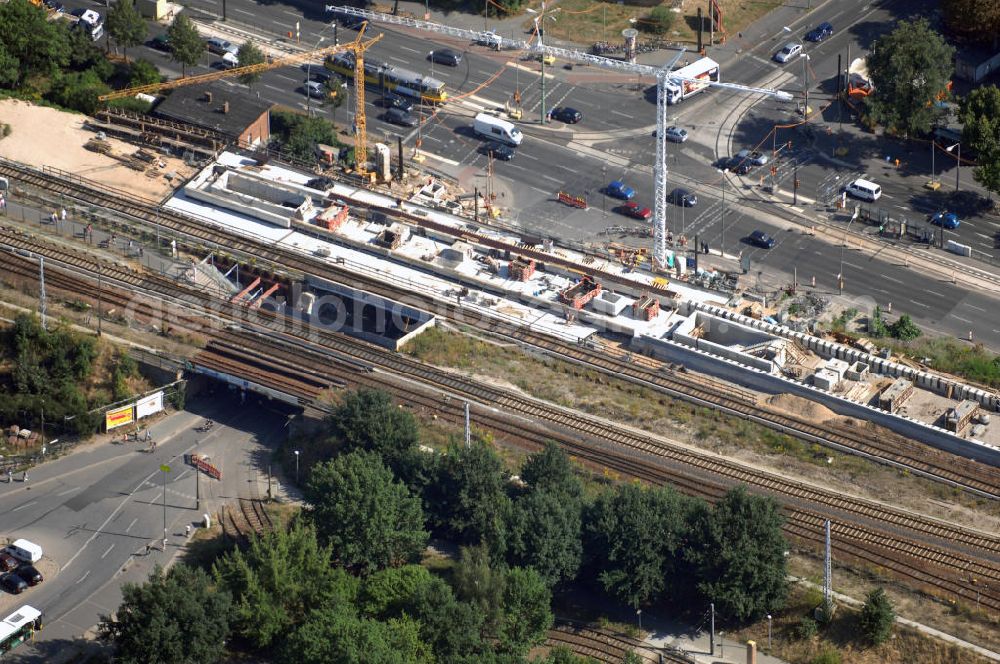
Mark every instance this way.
x=94 y=511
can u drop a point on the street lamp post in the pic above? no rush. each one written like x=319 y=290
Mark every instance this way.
x=840 y=277
x=805 y=84
x=638 y=612
x=296 y=466
x=958 y=162
x=539 y=17
x=309 y=110
x=722 y=249
x=769 y=631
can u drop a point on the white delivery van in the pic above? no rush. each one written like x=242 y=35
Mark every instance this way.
x=865 y=190
x=499 y=130
x=25 y=551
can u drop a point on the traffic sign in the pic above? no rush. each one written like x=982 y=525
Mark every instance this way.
x=165 y=468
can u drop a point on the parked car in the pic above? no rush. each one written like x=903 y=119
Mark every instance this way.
x=446 y=56
x=761 y=239
x=30 y=575
x=398 y=116
x=682 y=197
x=219 y=46
x=315 y=89
x=8 y=563
x=948 y=220
x=348 y=21
x=500 y=151
x=566 y=114
x=755 y=157
x=54 y=6
x=788 y=51
x=741 y=166
x=820 y=32
x=636 y=211
x=392 y=100
x=545 y=58
x=676 y=134
x=619 y=189
x=489 y=38
x=160 y=43
x=13 y=584
x=230 y=61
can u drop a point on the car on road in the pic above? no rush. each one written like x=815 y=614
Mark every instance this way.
x=499 y=150
x=676 y=134
x=160 y=43
x=619 y=189
x=682 y=197
x=636 y=211
x=820 y=32
x=489 y=38
x=445 y=56
x=755 y=157
x=761 y=239
x=566 y=114
x=398 y=116
x=30 y=575
x=54 y=6
x=392 y=100
x=219 y=46
x=13 y=584
x=315 y=89
x=740 y=166
x=347 y=20
x=8 y=563
x=948 y=220
x=545 y=58
x=230 y=61
x=787 y=52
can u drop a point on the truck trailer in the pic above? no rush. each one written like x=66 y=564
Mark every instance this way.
x=691 y=79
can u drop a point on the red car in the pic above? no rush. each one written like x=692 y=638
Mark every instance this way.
x=636 y=211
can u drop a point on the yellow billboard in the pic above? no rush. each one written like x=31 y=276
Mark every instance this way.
x=119 y=417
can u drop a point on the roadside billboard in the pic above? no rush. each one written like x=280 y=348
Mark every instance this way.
x=147 y=406
x=119 y=417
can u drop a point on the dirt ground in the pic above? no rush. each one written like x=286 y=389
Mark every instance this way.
x=43 y=136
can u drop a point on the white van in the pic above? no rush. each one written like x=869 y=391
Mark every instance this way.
x=499 y=130
x=25 y=551
x=865 y=190
x=91 y=23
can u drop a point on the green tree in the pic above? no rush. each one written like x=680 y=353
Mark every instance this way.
x=186 y=46
x=633 y=537
x=975 y=20
x=739 y=554
x=877 y=616
x=38 y=45
x=469 y=500
x=551 y=470
x=368 y=420
x=9 y=68
x=527 y=611
x=904 y=329
x=479 y=582
x=173 y=617
x=981 y=132
x=909 y=67
x=452 y=628
x=126 y=25
x=371 y=520
x=385 y=591
x=660 y=20
x=143 y=72
x=277 y=581
x=544 y=534
x=340 y=637
x=299 y=133
x=249 y=54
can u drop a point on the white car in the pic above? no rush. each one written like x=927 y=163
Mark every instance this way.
x=787 y=52
x=676 y=134
x=230 y=61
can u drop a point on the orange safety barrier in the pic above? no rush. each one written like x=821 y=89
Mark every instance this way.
x=205 y=467
x=572 y=201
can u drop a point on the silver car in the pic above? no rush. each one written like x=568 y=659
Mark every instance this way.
x=676 y=134
x=787 y=52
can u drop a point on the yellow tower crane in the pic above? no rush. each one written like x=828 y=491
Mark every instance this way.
x=357 y=47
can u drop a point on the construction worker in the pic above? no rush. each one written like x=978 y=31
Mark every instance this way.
x=25 y=477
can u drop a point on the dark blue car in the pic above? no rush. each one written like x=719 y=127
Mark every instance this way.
x=947 y=220
x=619 y=189
x=820 y=32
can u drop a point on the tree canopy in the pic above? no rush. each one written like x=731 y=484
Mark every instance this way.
x=975 y=20
x=738 y=551
x=186 y=45
x=544 y=534
x=526 y=611
x=909 y=68
x=173 y=618
x=342 y=637
x=249 y=54
x=33 y=45
x=126 y=25
x=371 y=520
x=877 y=616
x=981 y=132
x=368 y=419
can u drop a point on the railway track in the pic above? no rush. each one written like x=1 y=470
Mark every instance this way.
x=603 y=646
x=883 y=446
x=908 y=558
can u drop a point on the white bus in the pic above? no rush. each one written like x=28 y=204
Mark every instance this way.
x=691 y=79
x=19 y=627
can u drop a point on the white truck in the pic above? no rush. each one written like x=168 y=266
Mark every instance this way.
x=25 y=551
x=494 y=128
x=691 y=79
x=91 y=23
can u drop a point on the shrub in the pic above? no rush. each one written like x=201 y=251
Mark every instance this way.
x=877 y=616
x=828 y=656
x=807 y=628
x=660 y=20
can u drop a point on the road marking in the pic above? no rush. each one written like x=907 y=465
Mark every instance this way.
x=271 y=87
x=540 y=191
x=400 y=60
x=68 y=491
x=984 y=235
x=485 y=102
x=131 y=524
x=105 y=554
x=921 y=304
x=83 y=577
x=21 y=507
x=243 y=11
x=450 y=162
x=551 y=179
x=964 y=320
x=527 y=69
x=624 y=115
x=525 y=155
x=971 y=306
x=287 y=78
x=888 y=278
x=856 y=267
x=407 y=48
x=930 y=292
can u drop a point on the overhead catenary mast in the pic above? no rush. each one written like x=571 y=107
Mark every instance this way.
x=663 y=75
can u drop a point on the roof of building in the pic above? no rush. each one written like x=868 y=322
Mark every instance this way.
x=191 y=104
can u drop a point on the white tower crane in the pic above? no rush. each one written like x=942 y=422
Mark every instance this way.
x=662 y=76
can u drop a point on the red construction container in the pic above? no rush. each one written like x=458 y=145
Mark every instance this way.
x=580 y=293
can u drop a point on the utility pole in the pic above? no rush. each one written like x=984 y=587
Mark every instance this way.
x=468 y=428
x=197 y=487
x=827 y=574
x=805 y=84
x=795 y=185
x=165 y=469
x=41 y=288
x=98 y=299
x=711 y=634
